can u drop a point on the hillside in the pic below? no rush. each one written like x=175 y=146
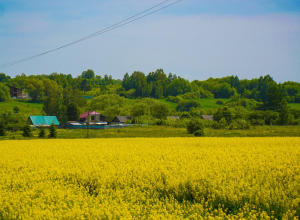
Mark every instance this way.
x=26 y=107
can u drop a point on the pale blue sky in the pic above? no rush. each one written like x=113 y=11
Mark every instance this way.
x=195 y=39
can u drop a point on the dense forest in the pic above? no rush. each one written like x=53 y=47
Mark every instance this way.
x=257 y=101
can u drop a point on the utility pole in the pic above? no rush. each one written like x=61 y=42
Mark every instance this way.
x=87 y=124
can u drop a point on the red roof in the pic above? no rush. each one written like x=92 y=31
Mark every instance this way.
x=91 y=113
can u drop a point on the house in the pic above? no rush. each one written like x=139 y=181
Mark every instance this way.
x=208 y=117
x=15 y=92
x=121 y=119
x=92 y=116
x=173 y=117
x=46 y=121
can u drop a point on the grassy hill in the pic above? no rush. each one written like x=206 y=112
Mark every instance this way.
x=26 y=107
x=294 y=105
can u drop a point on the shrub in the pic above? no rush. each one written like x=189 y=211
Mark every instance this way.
x=16 y=109
x=53 y=133
x=199 y=133
x=42 y=132
x=158 y=122
x=187 y=105
x=27 y=131
x=194 y=125
x=220 y=102
x=2 y=129
x=222 y=123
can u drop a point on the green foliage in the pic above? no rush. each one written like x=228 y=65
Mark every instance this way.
x=113 y=111
x=194 y=125
x=13 y=121
x=173 y=99
x=42 y=132
x=263 y=117
x=190 y=95
x=199 y=133
x=239 y=124
x=53 y=99
x=160 y=110
x=196 y=112
x=4 y=93
x=221 y=124
x=225 y=112
x=178 y=86
x=185 y=106
x=2 y=129
x=102 y=102
x=73 y=112
x=53 y=132
x=142 y=119
x=35 y=89
x=140 y=108
x=16 y=109
x=89 y=74
x=249 y=104
x=220 y=102
x=27 y=130
x=4 y=78
x=284 y=113
x=224 y=90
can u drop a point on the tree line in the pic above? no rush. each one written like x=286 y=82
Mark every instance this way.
x=62 y=95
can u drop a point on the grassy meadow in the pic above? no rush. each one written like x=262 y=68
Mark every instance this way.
x=150 y=178
x=27 y=108
x=163 y=131
x=294 y=106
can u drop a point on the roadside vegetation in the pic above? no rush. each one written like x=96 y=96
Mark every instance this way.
x=159 y=131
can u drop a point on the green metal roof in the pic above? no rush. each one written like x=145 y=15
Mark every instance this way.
x=44 y=120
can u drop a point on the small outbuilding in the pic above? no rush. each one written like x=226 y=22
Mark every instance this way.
x=121 y=119
x=46 y=121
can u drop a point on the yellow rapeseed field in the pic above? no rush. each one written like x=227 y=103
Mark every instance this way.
x=150 y=178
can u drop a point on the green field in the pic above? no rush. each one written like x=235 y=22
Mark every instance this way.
x=163 y=131
x=294 y=105
x=27 y=108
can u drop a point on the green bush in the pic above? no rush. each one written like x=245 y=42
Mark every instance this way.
x=194 y=125
x=16 y=109
x=53 y=133
x=220 y=102
x=27 y=131
x=42 y=132
x=185 y=106
x=199 y=133
x=2 y=129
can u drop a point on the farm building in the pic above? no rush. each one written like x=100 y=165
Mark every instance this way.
x=43 y=121
x=15 y=92
x=121 y=119
x=173 y=117
x=208 y=117
x=91 y=116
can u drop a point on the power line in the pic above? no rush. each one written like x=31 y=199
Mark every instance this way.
x=112 y=27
